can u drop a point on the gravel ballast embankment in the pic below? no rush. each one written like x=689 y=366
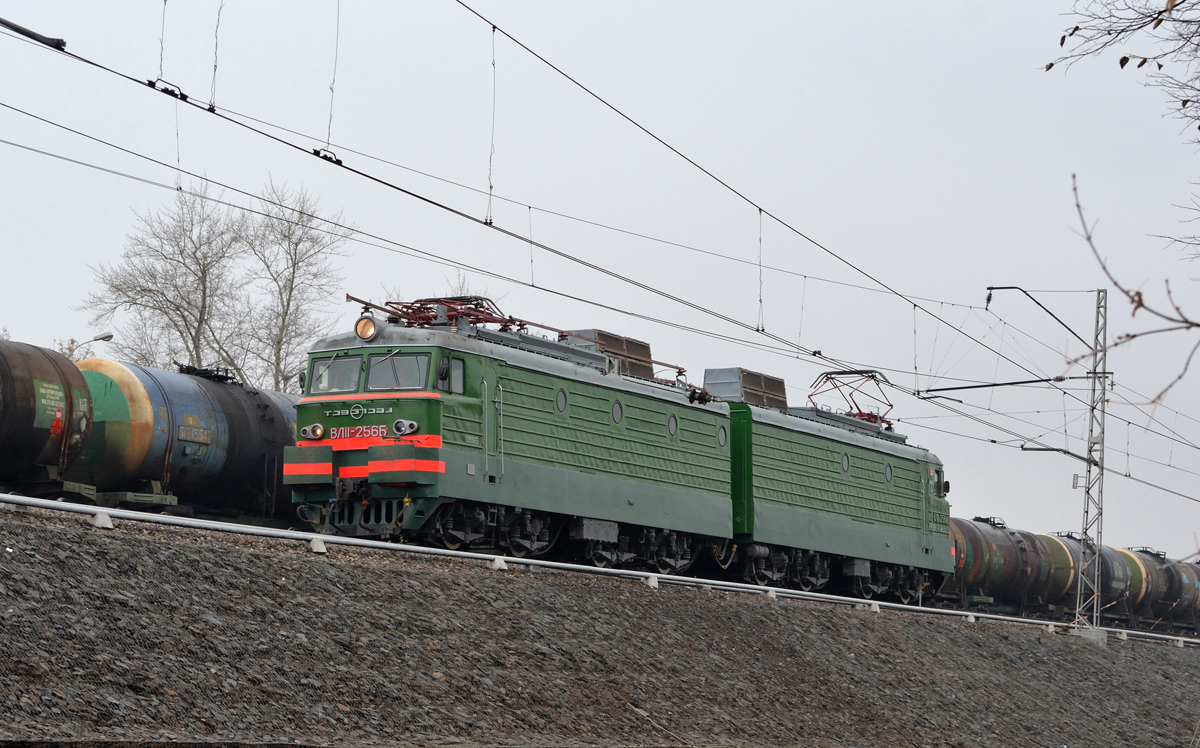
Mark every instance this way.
x=146 y=633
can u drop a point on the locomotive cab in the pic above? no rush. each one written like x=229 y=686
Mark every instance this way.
x=369 y=434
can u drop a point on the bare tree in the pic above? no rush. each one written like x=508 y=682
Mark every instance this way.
x=74 y=350
x=4 y=334
x=155 y=345
x=292 y=257
x=205 y=284
x=179 y=279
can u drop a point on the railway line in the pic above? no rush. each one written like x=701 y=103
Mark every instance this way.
x=318 y=542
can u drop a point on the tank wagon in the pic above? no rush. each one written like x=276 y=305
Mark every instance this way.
x=1003 y=570
x=45 y=419
x=430 y=425
x=115 y=433
x=193 y=436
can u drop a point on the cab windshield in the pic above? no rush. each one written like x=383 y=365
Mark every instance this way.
x=398 y=372
x=335 y=374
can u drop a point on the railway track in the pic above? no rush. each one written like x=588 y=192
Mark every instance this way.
x=101 y=517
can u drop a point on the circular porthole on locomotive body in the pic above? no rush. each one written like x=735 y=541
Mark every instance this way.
x=672 y=425
x=561 y=401
x=721 y=436
x=887 y=473
x=616 y=412
x=845 y=463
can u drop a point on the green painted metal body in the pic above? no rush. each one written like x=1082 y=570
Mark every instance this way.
x=546 y=433
x=790 y=489
x=503 y=439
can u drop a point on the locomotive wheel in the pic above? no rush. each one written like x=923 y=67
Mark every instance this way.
x=599 y=554
x=723 y=552
x=761 y=579
x=448 y=541
x=519 y=551
x=806 y=583
x=863 y=590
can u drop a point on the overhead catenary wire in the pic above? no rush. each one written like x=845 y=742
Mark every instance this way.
x=341 y=147
x=337 y=41
x=682 y=327
x=728 y=186
x=430 y=201
x=162 y=36
x=492 y=144
x=423 y=255
x=761 y=325
x=744 y=325
x=212 y=94
x=788 y=350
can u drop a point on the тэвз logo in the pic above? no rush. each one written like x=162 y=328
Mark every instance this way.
x=356 y=411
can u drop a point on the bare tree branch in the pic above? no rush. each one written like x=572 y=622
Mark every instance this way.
x=1176 y=318
x=294 y=253
x=178 y=273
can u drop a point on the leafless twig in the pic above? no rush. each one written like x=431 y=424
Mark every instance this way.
x=1176 y=319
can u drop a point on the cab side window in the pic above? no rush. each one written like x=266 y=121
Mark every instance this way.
x=457 y=369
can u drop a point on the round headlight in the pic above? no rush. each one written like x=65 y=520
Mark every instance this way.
x=402 y=427
x=316 y=431
x=366 y=328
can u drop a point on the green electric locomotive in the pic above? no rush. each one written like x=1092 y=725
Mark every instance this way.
x=443 y=421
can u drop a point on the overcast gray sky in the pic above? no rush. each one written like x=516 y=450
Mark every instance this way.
x=923 y=143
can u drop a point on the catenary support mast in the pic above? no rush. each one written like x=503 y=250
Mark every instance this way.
x=1087 y=599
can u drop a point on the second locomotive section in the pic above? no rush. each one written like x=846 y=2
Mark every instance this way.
x=454 y=433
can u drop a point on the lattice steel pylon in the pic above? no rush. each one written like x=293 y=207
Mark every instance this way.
x=1087 y=597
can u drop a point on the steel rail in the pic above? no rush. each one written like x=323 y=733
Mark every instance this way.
x=491 y=558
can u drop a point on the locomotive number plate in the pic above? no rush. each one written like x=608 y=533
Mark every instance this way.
x=357 y=432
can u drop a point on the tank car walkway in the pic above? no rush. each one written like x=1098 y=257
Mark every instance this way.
x=158 y=633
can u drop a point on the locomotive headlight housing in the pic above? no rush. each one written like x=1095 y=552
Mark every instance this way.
x=402 y=427
x=316 y=431
x=366 y=328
